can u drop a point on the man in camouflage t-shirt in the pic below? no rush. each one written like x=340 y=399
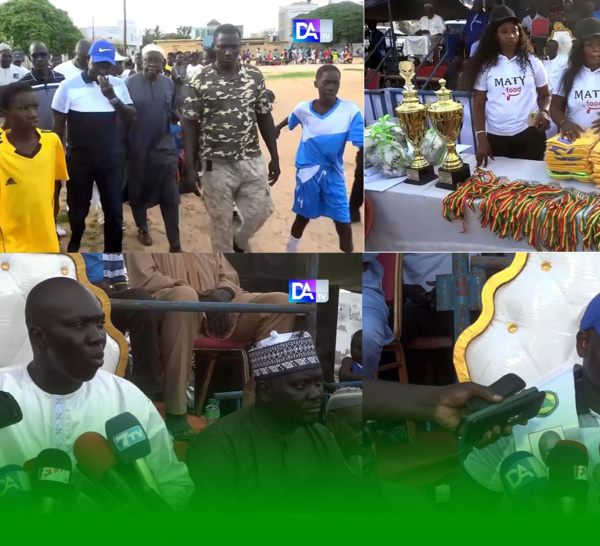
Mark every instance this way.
x=230 y=101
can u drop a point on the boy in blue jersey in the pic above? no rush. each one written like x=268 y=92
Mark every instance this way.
x=327 y=124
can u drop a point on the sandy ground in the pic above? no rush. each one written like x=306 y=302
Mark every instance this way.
x=291 y=85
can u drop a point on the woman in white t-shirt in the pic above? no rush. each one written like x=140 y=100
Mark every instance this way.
x=576 y=102
x=512 y=99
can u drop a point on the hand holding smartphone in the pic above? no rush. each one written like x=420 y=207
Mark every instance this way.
x=516 y=408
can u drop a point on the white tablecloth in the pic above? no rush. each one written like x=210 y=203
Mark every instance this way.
x=409 y=218
x=417 y=46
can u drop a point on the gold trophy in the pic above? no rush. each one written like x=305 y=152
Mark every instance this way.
x=447 y=117
x=412 y=115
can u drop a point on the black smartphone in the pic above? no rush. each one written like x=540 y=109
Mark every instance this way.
x=506 y=386
x=510 y=412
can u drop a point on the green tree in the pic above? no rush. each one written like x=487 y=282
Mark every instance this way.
x=347 y=20
x=184 y=32
x=150 y=35
x=23 y=21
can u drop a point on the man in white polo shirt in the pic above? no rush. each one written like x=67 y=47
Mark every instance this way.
x=73 y=68
x=90 y=104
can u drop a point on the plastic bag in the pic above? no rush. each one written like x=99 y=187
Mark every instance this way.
x=370 y=147
x=392 y=159
x=434 y=148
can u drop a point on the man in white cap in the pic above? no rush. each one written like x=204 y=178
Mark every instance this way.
x=118 y=68
x=274 y=451
x=152 y=157
x=345 y=422
x=431 y=23
x=9 y=72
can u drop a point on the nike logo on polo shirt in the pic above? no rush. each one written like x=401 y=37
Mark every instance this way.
x=103 y=50
x=10 y=182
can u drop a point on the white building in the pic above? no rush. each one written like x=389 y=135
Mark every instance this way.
x=287 y=13
x=114 y=34
x=200 y=33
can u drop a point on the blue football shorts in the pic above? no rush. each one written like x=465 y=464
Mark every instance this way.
x=321 y=192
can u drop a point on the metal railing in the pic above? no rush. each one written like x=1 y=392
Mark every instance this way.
x=212 y=307
x=444 y=38
x=307 y=309
x=391 y=52
x=238 y=395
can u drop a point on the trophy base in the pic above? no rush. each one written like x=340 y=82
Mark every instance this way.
x=449 y=180
x=420 y=177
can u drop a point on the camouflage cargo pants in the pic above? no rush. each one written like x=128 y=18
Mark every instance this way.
x=242 y=183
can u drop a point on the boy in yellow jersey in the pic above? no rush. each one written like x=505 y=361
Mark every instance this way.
x=31 y=161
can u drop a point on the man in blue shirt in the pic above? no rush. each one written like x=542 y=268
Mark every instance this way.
x=477 y=21
x=375 y=315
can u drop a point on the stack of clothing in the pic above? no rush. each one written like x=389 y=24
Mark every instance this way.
x=571 y=160
x=595 y=161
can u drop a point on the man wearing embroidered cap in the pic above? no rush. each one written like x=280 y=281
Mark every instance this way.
x=276 y=448
x=152 y=158
x=90 y=103
x=571 y=409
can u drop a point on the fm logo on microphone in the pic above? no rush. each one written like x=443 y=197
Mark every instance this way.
x=581 y=473
x=129 y=437
x=309 y=291
x=59 y=475
x=313 y=30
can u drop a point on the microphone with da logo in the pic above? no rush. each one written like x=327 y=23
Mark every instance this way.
x=15 y=489
x=525 y=480
x=129 y=442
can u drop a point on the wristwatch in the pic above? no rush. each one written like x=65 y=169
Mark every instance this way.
x=114 y=101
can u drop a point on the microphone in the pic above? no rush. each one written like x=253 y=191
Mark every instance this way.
x=567 y=470
x=525 y=480
x=51 y=478
x=15 y=489
x=29 y=466
x=10 y=411
x=97 y=462
x=129 y=442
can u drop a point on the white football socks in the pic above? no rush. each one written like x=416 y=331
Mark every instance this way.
x=293 y=245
